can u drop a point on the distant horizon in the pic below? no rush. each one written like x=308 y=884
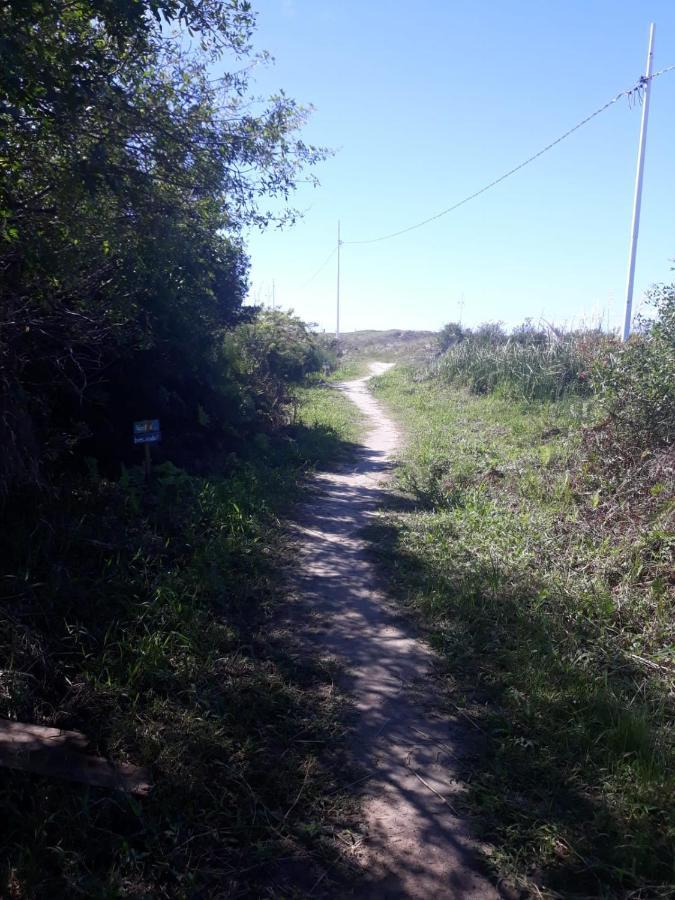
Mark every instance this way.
x=587 y=324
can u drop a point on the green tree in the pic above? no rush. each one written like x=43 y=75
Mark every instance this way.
x=127 y=173
x=274 y=352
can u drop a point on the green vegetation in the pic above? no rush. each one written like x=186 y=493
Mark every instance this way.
x=636 y=382
x=540 y=554
x=143 y=613
x=127 y=176
x=146 y=616
x=327 y=415
x=527 y=365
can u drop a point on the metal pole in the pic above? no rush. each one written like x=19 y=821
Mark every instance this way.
x=273 y=297
x=337 y=321
x=635 y=228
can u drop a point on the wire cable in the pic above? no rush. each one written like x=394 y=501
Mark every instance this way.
x=661 y=72
x=630 y=92
x=320 y=269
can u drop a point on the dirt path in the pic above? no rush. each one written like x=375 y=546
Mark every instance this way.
x=416 y=846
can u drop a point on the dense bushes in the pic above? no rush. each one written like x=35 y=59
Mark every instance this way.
x=126 y=176
x=245 y=384
x=269 y=355
x=636 y=381
x=131 y=608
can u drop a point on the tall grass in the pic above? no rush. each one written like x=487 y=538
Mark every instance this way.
x=536 y=370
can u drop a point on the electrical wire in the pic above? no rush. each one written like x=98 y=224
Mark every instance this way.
x=661 y=72
x=636 y=90
x=320 y=269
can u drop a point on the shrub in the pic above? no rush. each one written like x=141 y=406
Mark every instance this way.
x=451 y=334
x=636 y=380
x=490 y=333
x=270 y=356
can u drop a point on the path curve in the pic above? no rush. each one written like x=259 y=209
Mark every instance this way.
x=416 y=847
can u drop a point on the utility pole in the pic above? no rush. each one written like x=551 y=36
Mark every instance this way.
x=337 y=321
x=635 y=228
x=461 y=307
x=273 y=297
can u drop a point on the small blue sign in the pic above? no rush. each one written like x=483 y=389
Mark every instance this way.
x=153 y=437
x=147 y=432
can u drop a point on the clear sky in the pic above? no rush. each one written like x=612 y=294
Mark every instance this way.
x=425 y=103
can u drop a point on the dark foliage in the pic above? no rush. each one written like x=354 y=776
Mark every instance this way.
x=126 y=175
x=637 y=380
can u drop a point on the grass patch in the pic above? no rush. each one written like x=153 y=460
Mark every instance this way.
x=350 y=367
x=144 y=616
x=553 y=610
x=329 y=418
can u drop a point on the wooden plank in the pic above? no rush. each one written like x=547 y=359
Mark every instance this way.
x=60 y=754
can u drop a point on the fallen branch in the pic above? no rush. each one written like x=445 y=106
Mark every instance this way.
x=56 y=753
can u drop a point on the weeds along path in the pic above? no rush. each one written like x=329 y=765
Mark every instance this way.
x=415 y=844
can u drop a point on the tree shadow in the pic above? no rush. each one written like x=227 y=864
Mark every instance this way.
x=557 y=714
x=406 y=750
x=143 y=615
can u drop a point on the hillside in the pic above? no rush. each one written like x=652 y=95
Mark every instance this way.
x=392 y=342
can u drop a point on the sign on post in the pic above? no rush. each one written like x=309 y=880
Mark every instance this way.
x=147 y=432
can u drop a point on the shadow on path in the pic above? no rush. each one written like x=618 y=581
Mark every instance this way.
x=416 y=844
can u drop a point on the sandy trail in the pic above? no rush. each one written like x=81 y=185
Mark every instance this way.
x=416 y=846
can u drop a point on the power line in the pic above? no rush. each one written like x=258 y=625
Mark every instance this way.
x=630 y=92
x=662 y=71
x=320 y=269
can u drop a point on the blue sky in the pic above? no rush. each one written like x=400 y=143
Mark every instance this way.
x=424 y=104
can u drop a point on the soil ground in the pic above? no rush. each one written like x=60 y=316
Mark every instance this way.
x=416 y=845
